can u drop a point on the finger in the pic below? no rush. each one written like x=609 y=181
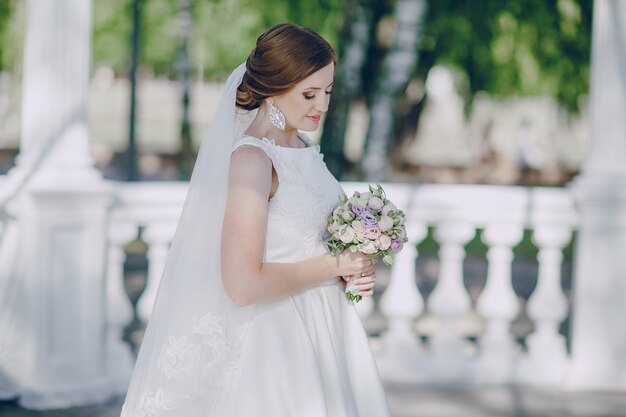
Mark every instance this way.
x=369 y=271
x=367 y=293
x=365 y=280
x=365 y=286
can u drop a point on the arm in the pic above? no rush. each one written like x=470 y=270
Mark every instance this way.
x=247 y=279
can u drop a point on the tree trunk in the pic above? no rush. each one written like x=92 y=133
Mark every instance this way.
x=395 y=75
x=354 y=47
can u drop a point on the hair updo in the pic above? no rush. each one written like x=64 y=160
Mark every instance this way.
x=284 y=55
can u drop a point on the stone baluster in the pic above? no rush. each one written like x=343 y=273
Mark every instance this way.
x=546 y=362
x=120 y=360
x=158 y=237
x=449 y=301
x=402 y=303
x=498 y=305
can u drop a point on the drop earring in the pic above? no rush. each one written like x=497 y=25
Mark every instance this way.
x=277 y=117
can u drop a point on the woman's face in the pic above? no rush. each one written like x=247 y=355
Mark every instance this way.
x=304 y=104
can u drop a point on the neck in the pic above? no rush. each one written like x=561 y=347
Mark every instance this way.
x=262 y=128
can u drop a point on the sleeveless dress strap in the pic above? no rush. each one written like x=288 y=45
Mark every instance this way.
x=265 y=145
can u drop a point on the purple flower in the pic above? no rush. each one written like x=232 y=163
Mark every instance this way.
x=368 y=219
x=396 y=245
x=358 y=210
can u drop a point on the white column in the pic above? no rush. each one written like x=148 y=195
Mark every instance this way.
x=65 y=299
x=402 y=303
x=158 y=236
x=449 y=302
x=57 y=58
x=546 y=362
x=119 y=310
x=498 y=305
x=598 y=330
x=63 y=212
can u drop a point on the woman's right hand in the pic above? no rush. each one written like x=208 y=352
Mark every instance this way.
x=354 y=263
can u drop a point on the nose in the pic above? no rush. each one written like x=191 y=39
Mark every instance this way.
x=322 y=103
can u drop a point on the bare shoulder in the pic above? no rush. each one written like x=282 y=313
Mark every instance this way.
x=250 y=159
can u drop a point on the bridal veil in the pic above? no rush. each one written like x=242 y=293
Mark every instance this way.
x=195 y=331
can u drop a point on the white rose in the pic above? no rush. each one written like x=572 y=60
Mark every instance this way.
x=385 y=223
x=357 y=226
x=347 y=235
x=384 y=242
x=368 y=248
x=389 y=207
x=362 y=201
x=376 y=203
x=367 y=195
x=347 y=215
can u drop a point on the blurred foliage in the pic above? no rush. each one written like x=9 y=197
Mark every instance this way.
x=513 y=47
x=504 y=47
x=8 y=47
x=222 y=35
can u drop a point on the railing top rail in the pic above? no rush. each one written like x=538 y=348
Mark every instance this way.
x=432 y=204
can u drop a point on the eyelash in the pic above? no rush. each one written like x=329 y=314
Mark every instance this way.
x=313 y=96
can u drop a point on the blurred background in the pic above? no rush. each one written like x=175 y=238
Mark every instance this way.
x=475 y=115
x=491 y=92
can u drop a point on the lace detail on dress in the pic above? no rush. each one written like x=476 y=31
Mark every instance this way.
x=301 y=204
x=199 y=361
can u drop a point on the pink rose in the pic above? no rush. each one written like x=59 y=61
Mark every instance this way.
x=372 y=232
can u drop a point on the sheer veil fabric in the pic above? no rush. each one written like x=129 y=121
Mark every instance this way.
x=195 y=332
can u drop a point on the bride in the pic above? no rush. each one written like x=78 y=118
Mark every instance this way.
x=251 y=317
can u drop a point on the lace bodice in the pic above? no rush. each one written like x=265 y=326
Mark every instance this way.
x=307 y=193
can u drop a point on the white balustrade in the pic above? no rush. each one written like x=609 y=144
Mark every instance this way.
x=402 y=304
x=547 y=359
x=158 y=237
x=456 y=212
x=450 y=301
x=498 y=305
x=119 y=360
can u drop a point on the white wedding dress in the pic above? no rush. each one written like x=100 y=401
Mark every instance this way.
x=302 y=356
x=306 y=355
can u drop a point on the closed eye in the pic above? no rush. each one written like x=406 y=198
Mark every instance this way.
x=313 y=96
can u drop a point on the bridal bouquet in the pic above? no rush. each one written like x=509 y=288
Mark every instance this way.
x=368 y=223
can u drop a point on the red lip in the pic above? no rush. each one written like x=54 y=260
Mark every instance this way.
x=314 y=118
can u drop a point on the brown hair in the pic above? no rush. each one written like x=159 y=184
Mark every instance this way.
x=284 y=55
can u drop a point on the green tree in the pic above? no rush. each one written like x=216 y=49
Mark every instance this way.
x=355 y=43
x=397 y=69
x=512 y=47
